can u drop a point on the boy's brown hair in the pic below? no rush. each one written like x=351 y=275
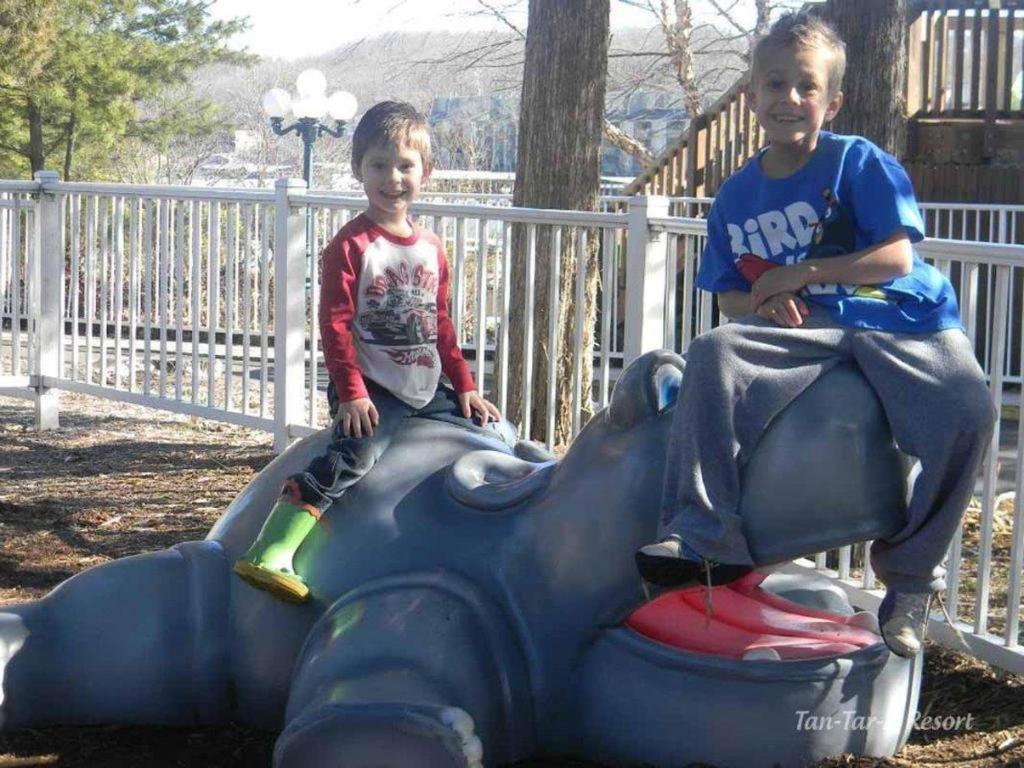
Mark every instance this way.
x=804 y=31
x=391 y=122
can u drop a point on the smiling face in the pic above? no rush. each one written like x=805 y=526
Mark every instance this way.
x=392 y=175
x=790 y=94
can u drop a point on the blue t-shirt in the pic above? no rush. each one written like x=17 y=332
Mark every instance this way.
x=849 y=196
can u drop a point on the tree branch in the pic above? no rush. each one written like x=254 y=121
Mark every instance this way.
x=502 y=18
x=622 y=140
x=638 y=55
x=728 y=16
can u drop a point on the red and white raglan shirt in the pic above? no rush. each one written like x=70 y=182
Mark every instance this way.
x=384 y=314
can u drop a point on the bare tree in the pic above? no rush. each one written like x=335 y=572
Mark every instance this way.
x=561 y=114
x=705 y=46
x=875 y=32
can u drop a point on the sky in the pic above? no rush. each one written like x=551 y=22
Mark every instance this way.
x=294 y=28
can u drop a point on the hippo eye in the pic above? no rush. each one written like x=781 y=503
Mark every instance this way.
x=666 y=383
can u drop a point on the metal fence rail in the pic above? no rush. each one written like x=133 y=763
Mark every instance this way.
x=204 y=302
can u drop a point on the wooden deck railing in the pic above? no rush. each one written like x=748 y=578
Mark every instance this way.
x=965 y=62
x=714 y=145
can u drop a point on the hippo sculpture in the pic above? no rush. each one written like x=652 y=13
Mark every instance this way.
x=475 y=604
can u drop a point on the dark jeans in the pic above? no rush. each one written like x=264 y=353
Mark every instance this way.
x=349 y=458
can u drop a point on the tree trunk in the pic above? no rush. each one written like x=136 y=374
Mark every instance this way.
x=875 y=32
x=678 y=36
x=69 y=147
x=36 y=153
x=558 y=166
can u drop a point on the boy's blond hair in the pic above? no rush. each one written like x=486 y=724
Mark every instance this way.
x=391 y=122
x=804 y=31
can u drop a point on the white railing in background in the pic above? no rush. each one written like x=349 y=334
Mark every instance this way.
x=17 y=232
x=477 y=240
x=169 y=297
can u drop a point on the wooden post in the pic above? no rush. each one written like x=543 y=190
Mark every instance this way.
x=917 y=64
x=1006 y=40
x=991 y=84
x=958 y=63
x=976 y=63
x=941 y=28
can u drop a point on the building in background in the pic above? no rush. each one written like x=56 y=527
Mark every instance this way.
x=480 y=133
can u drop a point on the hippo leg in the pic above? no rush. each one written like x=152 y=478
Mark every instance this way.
x=138 y=640
x=418 y=669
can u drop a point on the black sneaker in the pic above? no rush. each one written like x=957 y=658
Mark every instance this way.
x=666 y=564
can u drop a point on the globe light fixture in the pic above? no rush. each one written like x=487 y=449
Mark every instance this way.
x=342 y=106
x=277 y=102
x=309 y=106
x=311 y=82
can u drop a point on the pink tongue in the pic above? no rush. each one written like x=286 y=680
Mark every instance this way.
x=744 y=618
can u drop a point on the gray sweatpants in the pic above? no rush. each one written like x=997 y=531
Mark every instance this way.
x=739 y=376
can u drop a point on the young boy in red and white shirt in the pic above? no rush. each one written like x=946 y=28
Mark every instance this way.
x=387 y=339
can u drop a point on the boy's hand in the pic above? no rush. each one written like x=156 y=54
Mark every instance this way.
x=471 y=403
x=785 y=309
x=357 y=417
x=788 y=279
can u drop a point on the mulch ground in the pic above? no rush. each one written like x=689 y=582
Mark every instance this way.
x=117 y=480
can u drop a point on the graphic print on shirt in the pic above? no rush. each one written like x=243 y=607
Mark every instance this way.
x=800 y=230
x=401 y=311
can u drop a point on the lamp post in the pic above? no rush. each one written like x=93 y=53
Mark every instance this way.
x=309 y=107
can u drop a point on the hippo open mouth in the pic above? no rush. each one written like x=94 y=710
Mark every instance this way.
x=745 y=621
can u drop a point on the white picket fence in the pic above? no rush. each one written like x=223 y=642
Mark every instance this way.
x=177 y=298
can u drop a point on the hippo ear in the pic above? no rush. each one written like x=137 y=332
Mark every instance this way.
x=648 y=386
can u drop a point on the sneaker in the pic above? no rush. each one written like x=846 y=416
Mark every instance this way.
x=903 y=617
x=670 y=563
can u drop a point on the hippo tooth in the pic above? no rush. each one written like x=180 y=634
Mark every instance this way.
x=473 y=749
x=762 y=654
x=864 y=620
x=460 y=721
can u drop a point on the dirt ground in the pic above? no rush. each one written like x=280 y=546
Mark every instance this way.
x=117 y=480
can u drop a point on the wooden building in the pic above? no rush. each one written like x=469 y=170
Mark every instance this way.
x=965 y=124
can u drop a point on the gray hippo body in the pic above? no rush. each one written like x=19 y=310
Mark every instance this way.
x=468 y=608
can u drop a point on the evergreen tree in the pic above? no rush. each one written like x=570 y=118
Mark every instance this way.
x=76 y=69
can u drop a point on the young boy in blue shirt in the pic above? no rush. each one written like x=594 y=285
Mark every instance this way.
x=809 y=251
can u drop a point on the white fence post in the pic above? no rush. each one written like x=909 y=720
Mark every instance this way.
x=289 y=311
x=47 y=281
x=645 y=279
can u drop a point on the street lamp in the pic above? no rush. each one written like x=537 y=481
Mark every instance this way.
x=309 y=107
